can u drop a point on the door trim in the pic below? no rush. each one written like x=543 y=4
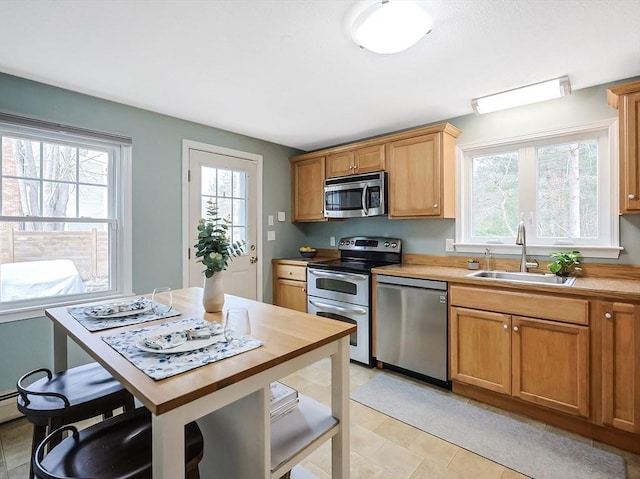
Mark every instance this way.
x=220 y=150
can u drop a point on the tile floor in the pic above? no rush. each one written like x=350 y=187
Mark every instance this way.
x=381 y=447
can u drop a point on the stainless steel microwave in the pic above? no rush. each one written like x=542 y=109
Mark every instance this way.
x=355 y=196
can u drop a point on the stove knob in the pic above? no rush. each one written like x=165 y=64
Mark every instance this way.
x=386 y=244
x=341 y=242
x=393 y=245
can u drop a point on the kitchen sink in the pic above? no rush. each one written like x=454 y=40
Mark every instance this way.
x=534 y=278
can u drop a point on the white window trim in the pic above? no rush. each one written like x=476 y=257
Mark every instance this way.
x=122 y=266
x=463 y=182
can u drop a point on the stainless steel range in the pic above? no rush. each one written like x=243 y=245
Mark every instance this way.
x=341 y=289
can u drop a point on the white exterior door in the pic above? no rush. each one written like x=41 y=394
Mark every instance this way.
x=230 y=179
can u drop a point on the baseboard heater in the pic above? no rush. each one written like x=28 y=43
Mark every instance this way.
x=8 y=408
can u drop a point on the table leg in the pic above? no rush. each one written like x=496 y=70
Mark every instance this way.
x=167 y=446
x=340 y=410
x=59 y=348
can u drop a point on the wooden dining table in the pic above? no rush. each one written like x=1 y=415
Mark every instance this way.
x=233 y=393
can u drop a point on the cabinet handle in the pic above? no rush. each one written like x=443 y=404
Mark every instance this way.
x=435 y=206
x=505 y=326
x=515 y=328
x=608 y=315
x=632 y=196
x=290 y=273
x=304 y=290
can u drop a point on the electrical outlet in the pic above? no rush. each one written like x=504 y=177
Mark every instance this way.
x=449 y=245
x=332 y=240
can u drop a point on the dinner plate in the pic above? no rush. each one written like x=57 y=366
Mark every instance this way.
x=191 y=345
x=100 y=311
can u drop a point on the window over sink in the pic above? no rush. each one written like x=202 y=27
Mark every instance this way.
x=562 y=184
x=64 y=201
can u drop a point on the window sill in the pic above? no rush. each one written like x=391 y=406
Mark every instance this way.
x=10 y=313
x=607 y=252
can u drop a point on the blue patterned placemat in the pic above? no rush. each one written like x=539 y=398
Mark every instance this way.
x=162 y=365
x=93 y=323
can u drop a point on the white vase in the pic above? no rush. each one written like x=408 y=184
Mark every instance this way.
x=213 y=294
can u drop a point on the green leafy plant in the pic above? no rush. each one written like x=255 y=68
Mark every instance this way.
x=214 y=247
x=564 y=263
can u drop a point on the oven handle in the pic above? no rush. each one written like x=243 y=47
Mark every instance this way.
x=338 y=308
x=338 y=275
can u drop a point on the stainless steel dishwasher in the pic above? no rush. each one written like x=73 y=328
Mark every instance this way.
x=411 y=321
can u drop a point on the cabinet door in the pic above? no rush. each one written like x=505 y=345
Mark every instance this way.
x=414 y=177
x=550 y=364
x=308 y=189
x=292 y=294
x=340 y=164
x=621 y=365
x=630 y=153
x=481 y=348
x=369 y=159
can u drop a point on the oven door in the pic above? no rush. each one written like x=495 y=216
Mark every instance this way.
x=360 y=345
x=339 y=286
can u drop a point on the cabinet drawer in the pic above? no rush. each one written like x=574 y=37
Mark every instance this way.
x=289 y=271
x=544 y=306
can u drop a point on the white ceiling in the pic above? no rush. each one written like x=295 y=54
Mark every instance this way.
x=287 y=71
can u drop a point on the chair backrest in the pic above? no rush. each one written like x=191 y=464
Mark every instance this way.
x=24 y=391
x=38 y=469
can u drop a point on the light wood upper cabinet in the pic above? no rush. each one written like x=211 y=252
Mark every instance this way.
x=626 y=98
x=422 y=175
x=361 y=160
x=307 y=199
x=620 y=365
x=420 y=165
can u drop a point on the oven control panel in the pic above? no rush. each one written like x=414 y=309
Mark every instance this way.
x=370 y=243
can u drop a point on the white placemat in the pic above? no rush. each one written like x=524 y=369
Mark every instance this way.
x=164 y=364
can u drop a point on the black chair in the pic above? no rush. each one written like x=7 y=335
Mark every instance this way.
x=73 y=395
x=116 y=448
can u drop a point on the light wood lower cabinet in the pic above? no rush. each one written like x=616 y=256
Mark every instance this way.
x=290 y=286
x=620 y=364
x=536 y=360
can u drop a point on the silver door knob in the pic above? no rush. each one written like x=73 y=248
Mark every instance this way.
x=515 y=328
x=632 y=196
x=608 y=315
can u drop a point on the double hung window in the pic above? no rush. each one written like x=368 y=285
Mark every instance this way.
x=560 y=184
x=62 y=207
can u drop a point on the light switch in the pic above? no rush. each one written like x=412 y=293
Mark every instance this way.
x=271 y=235
x=281 y=216
x=270 y=220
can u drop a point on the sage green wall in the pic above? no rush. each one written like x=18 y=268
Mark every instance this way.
x=157 y=190
x=428 y=236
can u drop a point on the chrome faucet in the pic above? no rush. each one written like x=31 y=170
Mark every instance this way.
x=521 y=239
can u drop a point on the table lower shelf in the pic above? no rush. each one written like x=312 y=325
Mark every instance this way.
x=299 y=433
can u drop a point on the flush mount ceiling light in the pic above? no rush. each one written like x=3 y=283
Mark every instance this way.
x=546 y=90
x=390 y=26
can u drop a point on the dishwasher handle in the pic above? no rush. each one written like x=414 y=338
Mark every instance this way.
x=412 y=282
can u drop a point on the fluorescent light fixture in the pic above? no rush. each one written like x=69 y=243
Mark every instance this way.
x=546 y=90
x=390 y=26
